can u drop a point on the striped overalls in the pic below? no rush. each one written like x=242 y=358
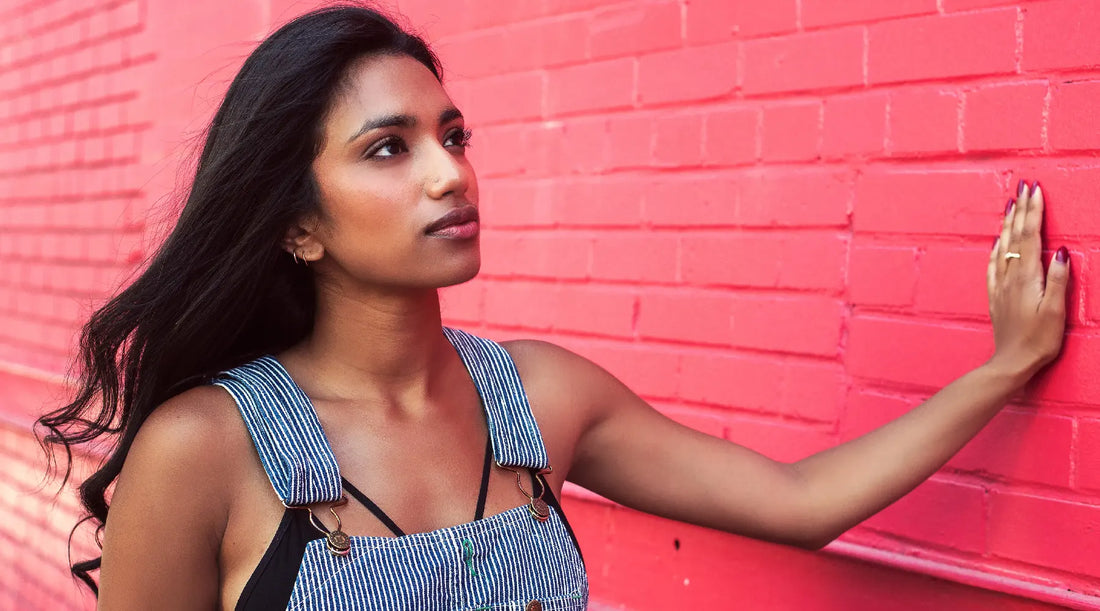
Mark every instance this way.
x=508 y=561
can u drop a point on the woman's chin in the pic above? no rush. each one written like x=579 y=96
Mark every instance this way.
x=464 y=274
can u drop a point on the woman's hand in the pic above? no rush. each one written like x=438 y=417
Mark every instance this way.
x=1028 y=312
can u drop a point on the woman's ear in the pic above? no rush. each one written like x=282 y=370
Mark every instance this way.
x=301 y=241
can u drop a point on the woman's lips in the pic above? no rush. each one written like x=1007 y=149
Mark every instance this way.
x=459 y=224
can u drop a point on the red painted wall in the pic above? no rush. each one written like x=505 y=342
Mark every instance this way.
x=769 y=218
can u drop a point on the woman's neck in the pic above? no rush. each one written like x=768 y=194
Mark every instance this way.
x=385 y=348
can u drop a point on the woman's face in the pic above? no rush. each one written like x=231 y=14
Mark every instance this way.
x=398 y=196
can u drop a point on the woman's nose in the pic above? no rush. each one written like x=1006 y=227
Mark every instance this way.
x=446 y=173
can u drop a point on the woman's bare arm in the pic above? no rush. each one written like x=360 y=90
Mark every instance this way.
x=632 y=454
x=163 y=533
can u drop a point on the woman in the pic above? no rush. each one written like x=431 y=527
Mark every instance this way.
x=284 y=351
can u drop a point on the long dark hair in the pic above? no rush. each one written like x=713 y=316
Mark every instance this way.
x=220 y=290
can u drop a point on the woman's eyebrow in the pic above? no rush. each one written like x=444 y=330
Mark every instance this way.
x=400 y=120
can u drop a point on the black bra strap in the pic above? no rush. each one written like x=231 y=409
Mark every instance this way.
x=484 y=492
x=369 y=504
x=394 y=528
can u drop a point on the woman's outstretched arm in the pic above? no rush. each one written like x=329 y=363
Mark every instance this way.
x=631 y=454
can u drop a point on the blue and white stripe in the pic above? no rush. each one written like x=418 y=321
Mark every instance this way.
x=498 y=563
x=287 y=434
x=517 y=441
x=516 y=560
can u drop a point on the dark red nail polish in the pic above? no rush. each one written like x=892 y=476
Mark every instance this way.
x=1020 y=188
x=1008 y=206
x=1062 y=255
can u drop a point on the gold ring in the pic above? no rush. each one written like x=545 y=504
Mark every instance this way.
x=1012 y=255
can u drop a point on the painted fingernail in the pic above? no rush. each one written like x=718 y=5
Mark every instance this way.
x=1021 y=188
x=1008 y=206
x=1035 y=188
x=1062 y=255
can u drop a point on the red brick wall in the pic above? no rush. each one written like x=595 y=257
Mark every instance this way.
x=768 y=218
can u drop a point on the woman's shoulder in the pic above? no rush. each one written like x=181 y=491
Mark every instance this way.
x=548 y=363
x=196 y=436
x=202 y=413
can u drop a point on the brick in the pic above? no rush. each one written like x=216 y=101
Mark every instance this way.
x=1069 y=539
x=520 y=47
x=636 y=257
x=597 y=311
x=710 y=21
x=685 y=316
x=1085 y=271
x=488 y=14
x=769 y=260
x=952 y=281
x=940 y=512
x=813 y=391
x=791 y=132
x=1058 y=35
x=586 y=141
x=690 y=199
x=611 y=201
x=510 y=97
x=933 y=202
x=650 y=371
x=730 y=137
x=678 y=141
x=549 y=42
x=952 y=6
x=1066 y=189
x=866 y=410
x=757 y=382
x=629 y=141
x=544 y=151
x=1073 y=121
x=928 y=354
x=818 y=13
x=1087 y=454
x=882 y=275
x=499 y=151
x=519 y=203
x=804 y=62
x=463 y=303
x=531 y=305
x=602 y=85
x=802 y=325
x=528 y=254
x=1021 y=446
x=940 y=47
x=634 y=28
x=794 y=198
x=1004 y=117
x=853 y=125
x=663 y=79
x=1072 y=377
x=923 y=121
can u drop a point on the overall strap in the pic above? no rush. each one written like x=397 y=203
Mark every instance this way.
x=516 y=439
x=285 y=429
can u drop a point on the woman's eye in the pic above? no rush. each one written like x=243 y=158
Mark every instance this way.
x=387 y=148
x=459 y=138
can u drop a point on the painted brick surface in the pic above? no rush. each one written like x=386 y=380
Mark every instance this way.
x=769 y=219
